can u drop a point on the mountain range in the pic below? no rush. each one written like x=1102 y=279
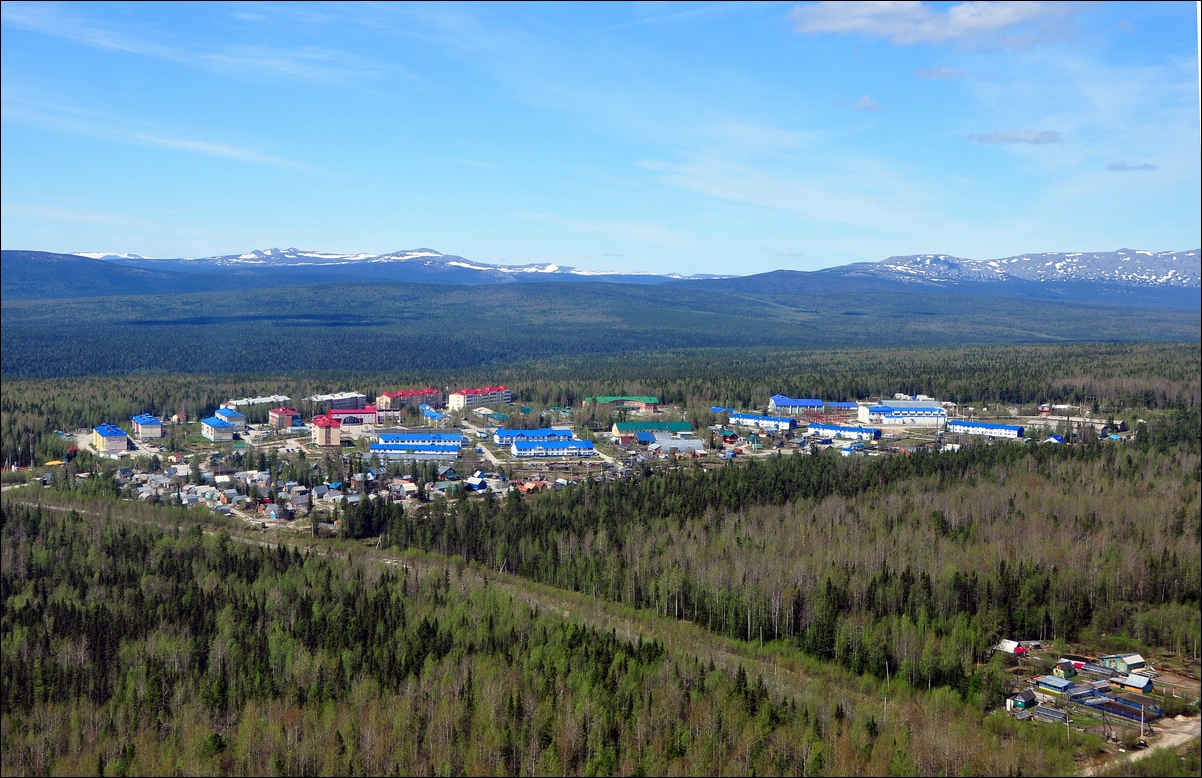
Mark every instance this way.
x=1125 y=276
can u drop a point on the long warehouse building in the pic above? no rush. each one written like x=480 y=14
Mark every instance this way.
x=841 y=431
x=552 y=448
x=775 y=423
x=411 y=452
x=504 y=437
x=986 y=428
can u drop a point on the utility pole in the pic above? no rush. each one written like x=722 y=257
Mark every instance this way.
x=886 y=691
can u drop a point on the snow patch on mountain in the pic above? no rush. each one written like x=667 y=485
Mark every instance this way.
x=1125 y=266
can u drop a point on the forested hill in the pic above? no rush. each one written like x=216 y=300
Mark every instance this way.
x=377 y=327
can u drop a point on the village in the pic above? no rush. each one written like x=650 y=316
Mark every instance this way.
x=1118 y=696
x=259 y=459
x=266 y=463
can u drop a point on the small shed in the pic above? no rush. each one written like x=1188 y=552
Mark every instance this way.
x=1135 y=683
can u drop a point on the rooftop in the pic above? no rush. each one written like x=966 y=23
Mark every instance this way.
x=145 y=419
x=109 y=431
x=483 y=390
x=213 y=421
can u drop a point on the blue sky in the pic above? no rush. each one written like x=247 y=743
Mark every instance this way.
x=724 y=138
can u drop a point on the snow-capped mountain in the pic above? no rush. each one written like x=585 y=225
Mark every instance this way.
x=1181 y=269
x=429 y=260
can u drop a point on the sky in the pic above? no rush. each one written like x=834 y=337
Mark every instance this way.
x=689 y=138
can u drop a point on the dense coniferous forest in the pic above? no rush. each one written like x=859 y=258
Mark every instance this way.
x=922 y=562
x=130 y=650
x=437 y=328
x=1117 y=377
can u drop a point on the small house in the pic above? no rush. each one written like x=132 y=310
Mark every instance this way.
x=1024 y=700
x=1123 y=663
x=1064 y=669
x=1052 y=684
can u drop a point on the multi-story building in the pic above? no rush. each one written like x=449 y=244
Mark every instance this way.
x=217 y=429
x=484 y=395
x=504 y=437
x=284 y=418
x=109 y=438
x=552 y=448
x=985 y=428
x=904 y=413
x=147 y=427
x=341 y=400
x=394 y=401
x=841 y=431
x=326 y=431
x=232 y=417
x=775 y=423
x=781 y=405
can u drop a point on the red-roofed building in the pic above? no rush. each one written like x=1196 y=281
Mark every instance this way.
x=472 y=398
x=366 y=415
x=326 y=431
x=284 y=418
x=394 y=401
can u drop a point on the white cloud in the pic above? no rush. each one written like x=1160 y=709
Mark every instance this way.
x=1123 y=166
x=865 y=103
x=1018 y=136
x=74 y=121
x=302 y=63
x=1008 y=24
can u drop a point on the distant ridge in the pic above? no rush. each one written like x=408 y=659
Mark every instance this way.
x=1123 y=277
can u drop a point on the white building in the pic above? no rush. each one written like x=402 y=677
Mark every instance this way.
x=216 y=430
x=340 y=400
x=845 y=432
x=147 y=427
x=904 y=413
x=472 y=398
x=775 y=423
x=985 y=428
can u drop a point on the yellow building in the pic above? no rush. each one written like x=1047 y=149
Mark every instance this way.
x=109 y=437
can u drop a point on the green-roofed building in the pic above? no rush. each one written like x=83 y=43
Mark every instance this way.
x=635 y=427
x=643 y=404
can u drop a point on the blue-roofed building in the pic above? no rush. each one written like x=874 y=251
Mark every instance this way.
x=845 y=432
x=504 y=437
x=552 y=448
x=986 y=428
x=775 y=423
x=835 y=405
x=644 y=438
x=423 y=438
x=217 y=429
x=781 y=405
x=720 y=409
x=410 y=452
x=147 y=427
x=1050 y=683
x=109 y=438
x=904 y=413
x=232 y=418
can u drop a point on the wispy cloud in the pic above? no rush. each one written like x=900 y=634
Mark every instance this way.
x=301 y=63
x=75 y=121
x=865 y=103
x=1123 y=166
x=1018 y=136
x=951 y=74
x=1000 y=24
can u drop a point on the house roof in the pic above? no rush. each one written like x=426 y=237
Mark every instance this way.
x=402 y=393
x=365 y=411
x=606 y=399
x=109 y=431
x=781 y=401
x=145 y=419
x=285 y=411
x=483 y=390
x=213 y=421
x=631 y=427
x=984 y=425
x=326 y=421
x=229 y=413
x=552 y=445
